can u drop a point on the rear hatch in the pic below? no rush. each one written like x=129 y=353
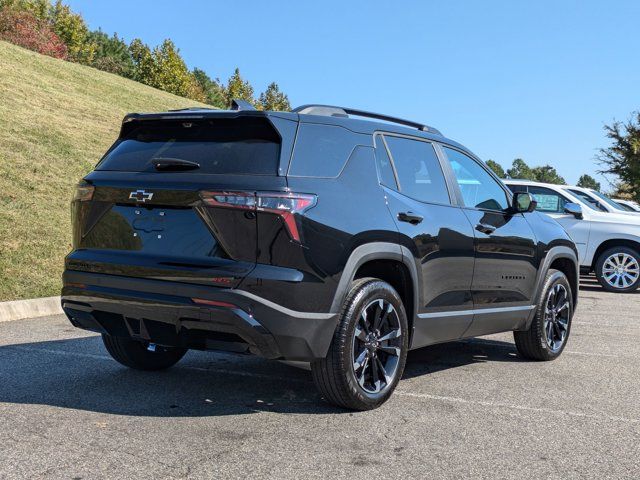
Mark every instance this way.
x=167 y=201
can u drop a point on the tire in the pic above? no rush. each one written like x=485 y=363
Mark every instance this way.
x=136 y=354
x=535 y=343
x=356 y=380
x=629 y=259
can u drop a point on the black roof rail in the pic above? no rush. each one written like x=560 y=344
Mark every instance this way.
x=332 y=111
x=239 y=104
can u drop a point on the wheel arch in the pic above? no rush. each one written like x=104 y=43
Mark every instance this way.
x=617 y=242
x=389 y=262
x=560 y=258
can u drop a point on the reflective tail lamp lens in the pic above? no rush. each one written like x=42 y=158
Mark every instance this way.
x=84 y=192
x=285 y=205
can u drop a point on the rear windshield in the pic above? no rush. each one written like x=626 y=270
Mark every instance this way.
x=222 y=146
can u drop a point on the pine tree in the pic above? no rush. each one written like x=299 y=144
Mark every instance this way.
x=213 y=91
x=273 y=99
x=547 y=174
x=497 y=168
x=520 y=170
x=239 y=88
x=587 y=181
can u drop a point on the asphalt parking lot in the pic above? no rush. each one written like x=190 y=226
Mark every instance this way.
x=464 y=409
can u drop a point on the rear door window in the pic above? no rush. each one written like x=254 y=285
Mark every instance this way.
x=418 y=167
x=222 y=146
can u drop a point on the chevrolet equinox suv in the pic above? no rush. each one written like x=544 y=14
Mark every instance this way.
x=314 y=235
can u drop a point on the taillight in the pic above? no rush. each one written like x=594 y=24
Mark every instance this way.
x=286 y=205
x=214 y=303
x=84 y=192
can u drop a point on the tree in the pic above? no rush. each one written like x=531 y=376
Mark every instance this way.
x=622 y=158
x=520 y=170
x=41 y=9
x=25 y=29
x=70 y=27
x=239 y=88
x=587 y=181
x=213 y=91
x=164 y=68
x=547 y=174
x=144 y=65
x=172 y=74
x=273 y=99
x=497 y=168
x=112 y=54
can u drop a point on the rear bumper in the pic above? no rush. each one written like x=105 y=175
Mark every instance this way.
x=163 y=312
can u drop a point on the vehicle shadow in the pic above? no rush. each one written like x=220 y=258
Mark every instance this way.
x=445 y=356
x=79 y=374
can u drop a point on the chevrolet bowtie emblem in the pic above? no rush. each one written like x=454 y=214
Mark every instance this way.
x=140 y=196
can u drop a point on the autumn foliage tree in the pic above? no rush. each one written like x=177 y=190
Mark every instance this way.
x=164 y=68
x=54 y=29
x=24 y=29
x=73 y=31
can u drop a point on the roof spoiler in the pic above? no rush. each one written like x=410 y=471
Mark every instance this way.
x=239 y=104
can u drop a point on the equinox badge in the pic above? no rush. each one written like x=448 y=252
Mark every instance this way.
x=140 y=196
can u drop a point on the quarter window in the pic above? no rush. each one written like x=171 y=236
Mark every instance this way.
x=385 y=169
x=419 y=173
x=479 y=189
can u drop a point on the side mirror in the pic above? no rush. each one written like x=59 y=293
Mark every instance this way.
x=524 y=202
x=574 y=209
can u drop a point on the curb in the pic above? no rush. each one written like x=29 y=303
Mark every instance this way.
x=36 y=307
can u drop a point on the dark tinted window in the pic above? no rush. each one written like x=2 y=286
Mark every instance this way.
x=517 y=188
x=549 y=201
x=627 y=207
x=385 y=170
x=222 y=146
x=418 y=169
x=589 y=200
x=322 y=150
x=479 y=189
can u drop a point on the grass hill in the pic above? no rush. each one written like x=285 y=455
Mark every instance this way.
x=56 y=120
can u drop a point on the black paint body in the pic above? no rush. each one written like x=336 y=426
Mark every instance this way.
x=136 y=267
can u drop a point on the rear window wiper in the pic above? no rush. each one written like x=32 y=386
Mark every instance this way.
x=174 y=164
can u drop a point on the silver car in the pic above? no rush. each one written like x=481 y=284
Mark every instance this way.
x=608 y=241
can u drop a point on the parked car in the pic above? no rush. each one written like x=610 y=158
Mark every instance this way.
x=628 y=205
x=608 y=242
x=312 y=235
x=595 y=198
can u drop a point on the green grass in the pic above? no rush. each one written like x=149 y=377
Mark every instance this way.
x=56 y=120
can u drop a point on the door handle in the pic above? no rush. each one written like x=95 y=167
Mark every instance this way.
x=410 y=217
x=486 y=229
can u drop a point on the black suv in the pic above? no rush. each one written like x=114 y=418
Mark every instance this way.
x=314 y=235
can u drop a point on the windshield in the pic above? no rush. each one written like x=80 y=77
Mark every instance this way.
x=607 y=200
x=588 y=200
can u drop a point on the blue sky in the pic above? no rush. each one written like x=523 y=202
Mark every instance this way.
x=536 y=80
